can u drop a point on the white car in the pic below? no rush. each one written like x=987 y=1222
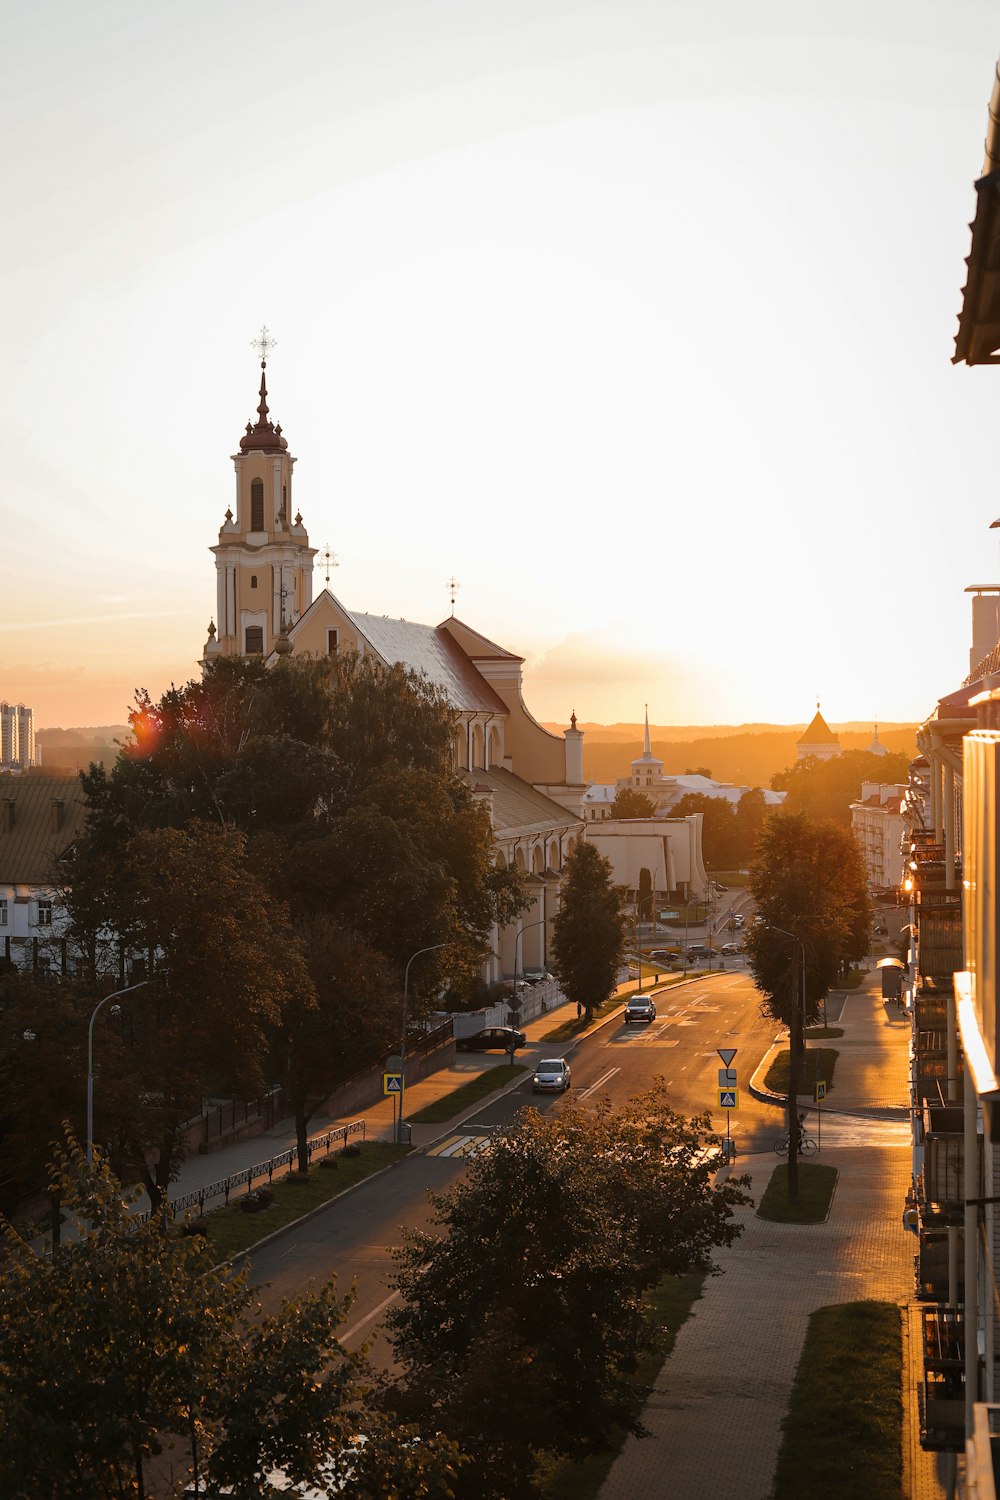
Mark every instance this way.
x=552 y=1076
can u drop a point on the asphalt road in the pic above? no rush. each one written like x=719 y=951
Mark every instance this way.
x=354 y=1236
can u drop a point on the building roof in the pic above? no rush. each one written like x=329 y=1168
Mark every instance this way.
x=31 y=847
x=432 y=651
x=819 y=732
x=518 y=807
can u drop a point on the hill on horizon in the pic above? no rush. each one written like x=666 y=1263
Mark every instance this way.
x=675 y=732
x=741 y=757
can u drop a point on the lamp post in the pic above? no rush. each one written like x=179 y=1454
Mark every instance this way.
x=90 y=1059
x=402 y=1047
x=795 y=1034
x=517 y=938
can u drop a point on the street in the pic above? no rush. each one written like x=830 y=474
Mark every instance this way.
x=354 y=1235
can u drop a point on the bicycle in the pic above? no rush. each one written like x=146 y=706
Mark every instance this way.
x=807 y=1146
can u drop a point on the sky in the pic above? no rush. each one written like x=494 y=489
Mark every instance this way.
x=633 y=316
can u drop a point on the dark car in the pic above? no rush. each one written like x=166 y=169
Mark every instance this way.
x=502 y=1037
x=699 y=951
x=639 y=1008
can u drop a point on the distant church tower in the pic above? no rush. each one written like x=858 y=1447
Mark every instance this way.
x=818 y=740
x=263 y=559
x=647 y=770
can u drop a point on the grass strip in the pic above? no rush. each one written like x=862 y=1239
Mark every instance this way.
x=230 y=1230
x=671 y=1304
x=815 y=1033
x=821 y=1062
x=816 y=1185
x=842 y=1433
x=450 y=1105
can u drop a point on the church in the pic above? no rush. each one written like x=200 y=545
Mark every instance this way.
x=530 y=779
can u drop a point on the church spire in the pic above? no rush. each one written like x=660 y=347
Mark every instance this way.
x=647 y=752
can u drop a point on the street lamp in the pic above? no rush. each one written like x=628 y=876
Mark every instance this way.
x=798 y=1021
x=90 y=1060
x=402 y=1049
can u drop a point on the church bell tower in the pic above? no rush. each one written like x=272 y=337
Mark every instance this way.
x=263 y=559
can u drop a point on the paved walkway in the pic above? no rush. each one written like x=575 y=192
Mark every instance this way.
x=716 y=1410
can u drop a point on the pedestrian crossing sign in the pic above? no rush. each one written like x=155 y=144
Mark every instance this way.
x=729 y=1098
x=392 y=1083
x=820 y=1091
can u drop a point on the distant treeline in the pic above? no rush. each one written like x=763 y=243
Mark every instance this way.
x=744 y=759
x=65 y=751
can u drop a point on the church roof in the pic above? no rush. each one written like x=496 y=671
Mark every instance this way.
x=42 y=830
x=818 y=733
x=479 y=644
x=431 y=650
x=263 y=436
x=518 y=807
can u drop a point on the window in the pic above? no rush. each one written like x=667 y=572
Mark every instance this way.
x=45 y=913
x=332 y=642
x=3 y=913
x=257 y=505
x=254 y=640
x=253 y=580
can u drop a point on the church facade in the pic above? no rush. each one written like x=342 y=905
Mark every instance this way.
x=530 y=779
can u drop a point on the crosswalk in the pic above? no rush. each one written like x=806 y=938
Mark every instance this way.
x=461 y=1144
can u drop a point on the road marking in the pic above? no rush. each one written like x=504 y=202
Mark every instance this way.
x=586 y=1093
x=461 y=1145
x=351 y=1332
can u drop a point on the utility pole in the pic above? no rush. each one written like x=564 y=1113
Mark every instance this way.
x=795 y=1044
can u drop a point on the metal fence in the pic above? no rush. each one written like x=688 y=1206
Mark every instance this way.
x=261 y=1171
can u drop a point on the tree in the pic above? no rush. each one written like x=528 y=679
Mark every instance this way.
x=328 y=789
x=718 y=829
x=529 y=1285
x=630 y=803
x=350 y=1013
x=826 y=788
x=809 y=879
x=588 y=933
x=129 y=1339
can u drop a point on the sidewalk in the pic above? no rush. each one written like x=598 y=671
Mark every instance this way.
x=716 y=1410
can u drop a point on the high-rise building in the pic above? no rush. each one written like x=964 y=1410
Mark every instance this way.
x=17 y=736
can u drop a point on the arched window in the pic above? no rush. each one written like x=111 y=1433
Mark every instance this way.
x=257 y=505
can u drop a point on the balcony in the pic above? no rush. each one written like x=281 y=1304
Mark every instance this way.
x=930 y=1264
x=942 y=1394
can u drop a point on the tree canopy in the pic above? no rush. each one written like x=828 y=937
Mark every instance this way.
x=631 y=803
x=261 y=821
x=529 y=1285
x=729 y=833
x=588 y=933
x=826 y=788
x=128 y=1341
x=808 y=879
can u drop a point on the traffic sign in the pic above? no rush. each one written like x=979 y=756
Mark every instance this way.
x=729 y=1099
x=392 y=1083
x=820 y=1091
x=727 y=1078
x=727 y=1054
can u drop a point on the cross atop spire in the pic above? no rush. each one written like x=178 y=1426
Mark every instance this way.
x=263 y=343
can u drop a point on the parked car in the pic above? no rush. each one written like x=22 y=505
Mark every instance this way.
x=730 y=948
x=491 y=1037
x=552 y=1076
x=664 y=955
x=536 y=976
x=639 y=1008
x=700 y=950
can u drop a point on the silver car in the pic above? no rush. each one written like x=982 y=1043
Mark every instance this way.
x=552 y=1076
